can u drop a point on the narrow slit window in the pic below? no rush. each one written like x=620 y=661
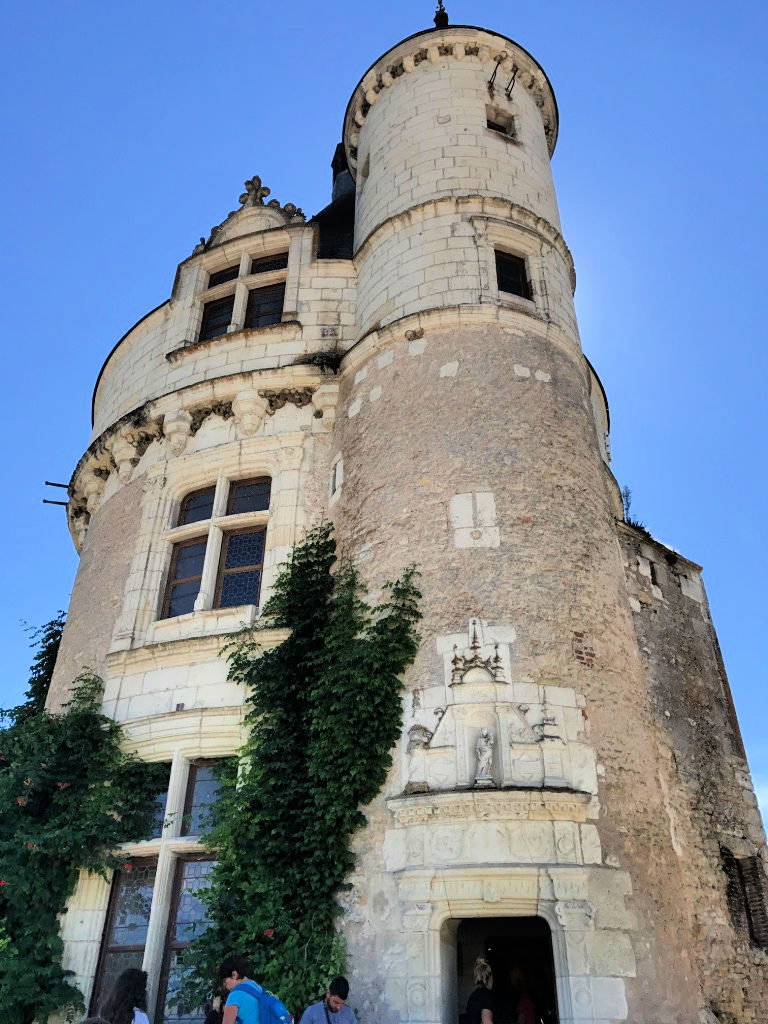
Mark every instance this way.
x=242 y=561
x=217 y=316
x=511 y=276
x=265 y=306
x=202 y=793
x=753 y=887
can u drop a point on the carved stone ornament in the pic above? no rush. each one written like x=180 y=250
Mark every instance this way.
x=255 y=193
x=250 y=410
x=176 y=428
x=575 y=914
x=296 y=396
x=418 y=737
x=472 y=667
x=484 y=754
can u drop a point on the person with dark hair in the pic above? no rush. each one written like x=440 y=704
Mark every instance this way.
x=481 y=1005
x=127 y=1002
x=332 y=1009
x=242 y=1003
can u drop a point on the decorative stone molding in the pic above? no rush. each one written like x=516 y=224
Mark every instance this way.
x=201 y=414
x=515 y=805
x=455 y=43
x=176 y=429
x=472 y=667
x=254 y=196
x=575 y=914
x=250 y=411
x=93 y=488
x=324 y=400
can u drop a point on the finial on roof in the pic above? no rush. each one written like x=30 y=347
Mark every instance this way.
x=441 y=16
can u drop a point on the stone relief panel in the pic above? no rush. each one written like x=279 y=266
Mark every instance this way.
x=472 y=730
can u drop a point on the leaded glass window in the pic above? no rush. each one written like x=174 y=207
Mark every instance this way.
x=187 y=921
x=185 y=576
x=197 y=506
x=125 y=931
x=249 y=496
x=242 y=560
x=265 y=306
x=202 y=792
x=217 y=316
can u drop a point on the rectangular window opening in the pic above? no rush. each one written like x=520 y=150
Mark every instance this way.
x=240 y=568
x=125 y=929
x=263 y=264
x=197 y=506
x=187 y=920
x=184 y=578
x=217 y=316
x=511 y=276
x=265 y=306
x=220 y=276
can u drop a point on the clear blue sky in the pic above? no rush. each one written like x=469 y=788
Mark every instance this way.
x=130 y=129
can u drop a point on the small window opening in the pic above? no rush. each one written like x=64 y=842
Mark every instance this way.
x=746 y=896
x=197 y=506
x=249 y=496
x=263 y=264
x=265 y=306
x=511 y=276
x=654 y=574
x=499 y=121
x=217 y=316
x=220 y=276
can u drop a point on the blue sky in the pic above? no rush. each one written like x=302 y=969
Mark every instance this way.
x=131 y=129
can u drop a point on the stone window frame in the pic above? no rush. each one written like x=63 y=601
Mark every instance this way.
x=222 y=523
x=516 y=240
x=167 y=851
x=507 y=121
x=335 y=480
x=265 y=245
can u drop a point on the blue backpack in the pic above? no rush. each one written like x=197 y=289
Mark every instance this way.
x=271 y=1010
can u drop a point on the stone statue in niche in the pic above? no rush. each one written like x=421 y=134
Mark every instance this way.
x=484 y=753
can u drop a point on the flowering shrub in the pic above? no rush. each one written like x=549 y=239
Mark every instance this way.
x=69 y=797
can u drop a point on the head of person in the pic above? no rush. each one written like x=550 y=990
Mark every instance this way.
x=129 y=994
x=336 y=994
x=234 y=970
x=483 y=973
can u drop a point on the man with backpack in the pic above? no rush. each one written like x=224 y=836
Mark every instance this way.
x=247 y=1002
x=332 y=1009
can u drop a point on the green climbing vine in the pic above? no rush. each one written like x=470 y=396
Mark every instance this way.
x=326 y=712
x=69 y=796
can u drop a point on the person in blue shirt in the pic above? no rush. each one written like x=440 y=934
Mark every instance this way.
x=332 y=1009
x=242 y=1005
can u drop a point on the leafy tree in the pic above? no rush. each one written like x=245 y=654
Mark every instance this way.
x=326 y=712
x=69 y=796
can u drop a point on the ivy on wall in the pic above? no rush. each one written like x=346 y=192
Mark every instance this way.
x=69 y=796
x=326 y=712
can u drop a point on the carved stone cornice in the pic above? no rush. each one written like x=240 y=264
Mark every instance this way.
x=505 y=804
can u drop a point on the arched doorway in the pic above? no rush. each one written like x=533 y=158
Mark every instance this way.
x=522 y=944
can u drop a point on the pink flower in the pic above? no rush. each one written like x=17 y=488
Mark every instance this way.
x=3 y=881
x=31 y=846
x=63 y=785
x=20 y=801
x=127 y=866
x=269 y=932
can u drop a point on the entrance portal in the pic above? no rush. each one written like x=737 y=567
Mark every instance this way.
x=518 y=949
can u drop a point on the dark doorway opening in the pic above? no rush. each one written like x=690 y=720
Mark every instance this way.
x=519 y=950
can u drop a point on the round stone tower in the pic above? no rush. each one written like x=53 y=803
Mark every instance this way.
x=567 y=799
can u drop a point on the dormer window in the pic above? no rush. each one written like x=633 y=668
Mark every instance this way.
x=242 y=306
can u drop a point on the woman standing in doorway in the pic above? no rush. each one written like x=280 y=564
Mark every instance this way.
x=481 y=1005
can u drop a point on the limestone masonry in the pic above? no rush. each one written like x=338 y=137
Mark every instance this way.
x=570 y=794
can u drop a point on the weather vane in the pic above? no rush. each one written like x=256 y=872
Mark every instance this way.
x=441 y=16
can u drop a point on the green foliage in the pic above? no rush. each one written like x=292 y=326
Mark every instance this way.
x=68 y=797
x=326 y=712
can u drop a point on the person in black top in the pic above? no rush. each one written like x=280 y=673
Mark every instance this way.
x=481 y=1005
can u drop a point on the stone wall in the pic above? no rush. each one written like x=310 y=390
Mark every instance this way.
x=700 y=760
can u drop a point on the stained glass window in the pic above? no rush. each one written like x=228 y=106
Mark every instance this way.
x=241 y=564
x=202 y=791
x=125 y=931
x=186 y=922
x=248 y=496
x=197 y=506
